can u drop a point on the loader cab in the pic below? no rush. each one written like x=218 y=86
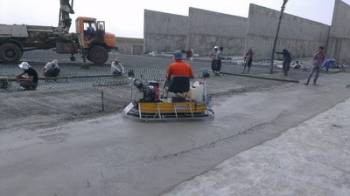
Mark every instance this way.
x=89 y=31
x=93 y=39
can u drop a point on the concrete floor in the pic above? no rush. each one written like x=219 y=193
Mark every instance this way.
x=114 y=156
x=63 y=101
x=310 y=159
x=48 y=106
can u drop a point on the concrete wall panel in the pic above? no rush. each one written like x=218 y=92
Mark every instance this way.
x=301 y=36
x=203 y=44
x=164 y=32
x=164 y=43
x=341 y=20
x=339 y=42
x=207 y=29
x=132 y=46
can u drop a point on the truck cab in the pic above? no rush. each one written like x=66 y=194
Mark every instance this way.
x=94 y=42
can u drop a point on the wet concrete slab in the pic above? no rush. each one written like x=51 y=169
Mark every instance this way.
x=114 y=156
x=309 y=159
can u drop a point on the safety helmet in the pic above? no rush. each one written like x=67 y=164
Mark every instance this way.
x=178 y=56
x=24 y=65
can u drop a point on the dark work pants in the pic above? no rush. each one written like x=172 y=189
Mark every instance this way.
x=286 y=66
x=247 y=64
x=28 y=85
x=316 y=71
x=214 y=65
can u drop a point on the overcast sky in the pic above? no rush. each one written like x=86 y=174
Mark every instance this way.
x=125 y=18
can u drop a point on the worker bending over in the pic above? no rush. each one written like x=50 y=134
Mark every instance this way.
x=29 y=78
x=117 y=69
x=178 y=75
x=51 y=69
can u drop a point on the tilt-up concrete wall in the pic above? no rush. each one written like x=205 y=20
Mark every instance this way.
x=133 y=46
x=339 y=41
x=164 y=32
x=300 y=36
x=208 y=29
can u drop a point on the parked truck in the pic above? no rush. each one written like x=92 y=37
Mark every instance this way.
x=89 y=40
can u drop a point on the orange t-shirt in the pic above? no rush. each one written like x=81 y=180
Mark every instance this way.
x=179 y=68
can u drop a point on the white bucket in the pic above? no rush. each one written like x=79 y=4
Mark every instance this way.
x=197 y=92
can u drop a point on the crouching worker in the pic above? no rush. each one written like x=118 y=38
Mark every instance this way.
x=51 y=69
x=178 y=75
x=117 y=69
x=29 y=78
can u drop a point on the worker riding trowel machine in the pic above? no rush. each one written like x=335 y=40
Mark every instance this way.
x=150 y=104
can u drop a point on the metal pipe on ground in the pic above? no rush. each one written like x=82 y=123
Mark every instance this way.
x=11 y=79
x=262 y=77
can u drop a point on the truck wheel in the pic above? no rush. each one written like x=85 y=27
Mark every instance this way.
x=10 y=52
x=98 y=55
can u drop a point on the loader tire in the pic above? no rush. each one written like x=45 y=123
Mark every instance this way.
x=10 y=52
x=98 y=55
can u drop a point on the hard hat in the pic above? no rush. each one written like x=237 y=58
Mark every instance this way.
x=216 y=47
x=24 y=66
x=55 y=61
x=178 y=56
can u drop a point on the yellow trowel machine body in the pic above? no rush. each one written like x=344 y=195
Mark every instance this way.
x=150 y=104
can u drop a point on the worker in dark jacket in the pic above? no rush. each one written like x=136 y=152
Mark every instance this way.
x=287 y=60
x=29 y=78
x=220 y=57
x=214 y=59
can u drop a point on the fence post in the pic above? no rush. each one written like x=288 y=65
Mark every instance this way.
x=102 y=101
